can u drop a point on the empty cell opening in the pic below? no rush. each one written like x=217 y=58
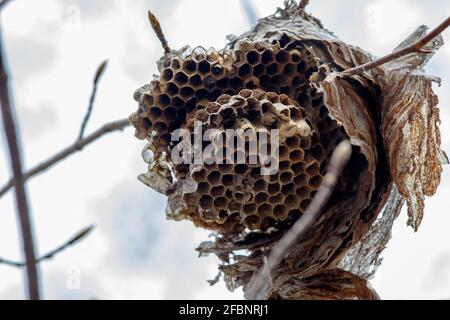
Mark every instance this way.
x=186 y=92
x=204 y=67
x=155 y=112
x=265 y=209
x=267 y=56
x=244 y=70
x=167 y=74
x=260 y=185
x=305 y=204
x=163 y=100
x=272 y=69
x=195 y=80
x=189 y=66
x=296 y=155
x=160 y=127
x=292 y=142
x=220 y=202
x=303 y=192
x=172 y=89
x=241 y=168
x=286 y=177
x=315 y=181
x=313 y=169
x=214 y=177
x=217 y=191
x=259 y=70
x=249 y=208
x=301 y=179
x=227 y=180
x=199 y=175
x=281 y=57
x=261 y=197
x=170 y=113
x=181 y=78
x=253 y=57
x=280 y=211
x=203 y=187
x=206 y=202
x=273 y=188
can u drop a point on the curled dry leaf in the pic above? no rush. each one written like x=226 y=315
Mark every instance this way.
x=286 y=73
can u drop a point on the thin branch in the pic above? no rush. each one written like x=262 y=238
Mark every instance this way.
x=250 y=12
x=3 y=4
x=158 y=30
x=302 y=5
x=75 y=239
x=98 y=74
x=23 y=212
x=416 y=47
x=260 y=285
x=64 y=153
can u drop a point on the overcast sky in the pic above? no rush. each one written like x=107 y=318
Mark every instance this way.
x=54 y=47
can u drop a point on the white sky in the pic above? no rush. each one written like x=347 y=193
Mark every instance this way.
x=54 y=48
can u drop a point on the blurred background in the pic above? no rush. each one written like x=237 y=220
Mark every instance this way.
x=54 y=47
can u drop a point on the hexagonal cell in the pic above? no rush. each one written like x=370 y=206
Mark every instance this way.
x=227 y=180
x=286 y=177
x=313 y=169
x=267 y=56
x=217 y=191
x=281 y=57
x=181 y=78
x=203 y=187
x=305 y=204
x=273 y=69
x=220 y=202
x=167 y=74
x=204 y=67
x=265 y=209
x=273 y=188
x=249 y=208
x=261 y=197
x=253 y=57
x=206 y=202
x=296 y=155
x=315 y=181
x=280 y=212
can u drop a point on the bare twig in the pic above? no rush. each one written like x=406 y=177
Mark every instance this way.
x=302 y=5
x=416 y=47
x=64 y=153
x=75 y=239
x=12 y=138
x=261 y=283
x=158 y=30
x=3 y=4
x=98 y=74
x=250 y=12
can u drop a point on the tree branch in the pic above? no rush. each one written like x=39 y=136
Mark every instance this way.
x=23 y=212
x=158 y=30
x=302 y=5
x=3 y=4
x=75 y=239
x=416 y=47
x=260 y=284
x=98 y=74
x=64 y=153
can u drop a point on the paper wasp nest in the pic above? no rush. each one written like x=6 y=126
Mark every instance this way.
x=284 y=75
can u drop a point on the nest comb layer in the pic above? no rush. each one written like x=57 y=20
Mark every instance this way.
x=282 y=74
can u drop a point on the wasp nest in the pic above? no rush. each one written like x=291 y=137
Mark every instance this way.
x=284 y=75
